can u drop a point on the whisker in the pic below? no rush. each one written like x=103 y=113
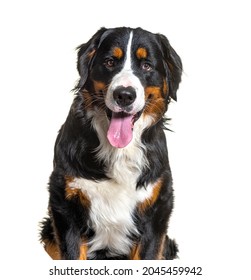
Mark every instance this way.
x=94 y=98
x=155 y=106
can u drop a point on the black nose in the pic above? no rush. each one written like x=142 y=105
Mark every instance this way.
x=124 y=96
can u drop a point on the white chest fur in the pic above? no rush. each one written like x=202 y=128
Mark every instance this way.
x=111 y=213
x=113 y=201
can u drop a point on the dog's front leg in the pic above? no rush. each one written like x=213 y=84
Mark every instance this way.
x=152 y=220
x=69 y=215
x=149 y=248
x=158 y=248
x=67 y=237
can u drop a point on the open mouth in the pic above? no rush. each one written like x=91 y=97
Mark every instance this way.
x=120 y=131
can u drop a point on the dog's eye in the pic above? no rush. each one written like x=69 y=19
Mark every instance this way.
x=109 y=63
x=146 y=67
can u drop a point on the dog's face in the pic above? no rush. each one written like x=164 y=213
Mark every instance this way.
x=129 y=73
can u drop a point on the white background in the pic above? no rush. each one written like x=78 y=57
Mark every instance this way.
x=209 y=150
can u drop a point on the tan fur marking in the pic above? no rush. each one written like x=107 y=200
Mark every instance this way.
x=69 y=194
x=160 y=255
x=73 y=192
x=150 y=201
x=135 y=253
x=155 y=102
x=141 y=53
x=165 y=87
x=99 y=86
x=52 y=249
x=117 y=52
x=83 y=252
x=155 y=92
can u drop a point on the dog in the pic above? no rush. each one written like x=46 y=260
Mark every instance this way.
x=110 y=192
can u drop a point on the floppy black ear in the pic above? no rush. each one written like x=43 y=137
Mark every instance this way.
x=86 y=53
x=173 y=66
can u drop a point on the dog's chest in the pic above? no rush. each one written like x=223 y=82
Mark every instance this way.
x=113 y=201
x=111 y=213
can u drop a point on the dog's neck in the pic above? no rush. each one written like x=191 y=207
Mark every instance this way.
x=122 y=164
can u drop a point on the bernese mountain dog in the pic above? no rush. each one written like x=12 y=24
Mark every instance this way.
x=110 y=192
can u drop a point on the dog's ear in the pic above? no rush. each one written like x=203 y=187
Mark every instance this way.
x=86 y=53
x=173 y=66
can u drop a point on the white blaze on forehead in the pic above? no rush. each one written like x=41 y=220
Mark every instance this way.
x=128 y=63
x=126 y=78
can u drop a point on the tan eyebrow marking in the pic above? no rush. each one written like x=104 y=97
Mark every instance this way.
x=141 y=53
x=117 y=52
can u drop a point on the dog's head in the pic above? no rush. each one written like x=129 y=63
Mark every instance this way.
x=129 y=73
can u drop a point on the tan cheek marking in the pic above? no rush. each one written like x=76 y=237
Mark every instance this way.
x=155 y=101
x=99 y=86
x=117 y=52
x=143 y=206
x=155 y=92
x=141 y=53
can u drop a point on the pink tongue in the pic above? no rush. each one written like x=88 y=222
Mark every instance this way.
x=120 y=130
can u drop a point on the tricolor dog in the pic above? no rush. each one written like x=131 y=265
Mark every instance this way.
x=110 y=192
